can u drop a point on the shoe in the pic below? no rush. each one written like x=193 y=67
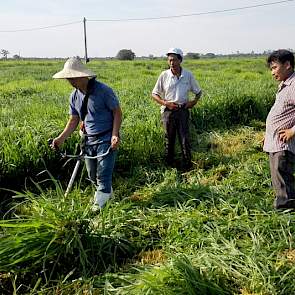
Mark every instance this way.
x=169 y=163
x=100 y=198
x=187 y=166
x=288 y=205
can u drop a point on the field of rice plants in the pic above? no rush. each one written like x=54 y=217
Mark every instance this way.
x=210 y=230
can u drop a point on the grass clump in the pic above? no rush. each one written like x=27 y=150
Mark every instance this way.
x=54 y=238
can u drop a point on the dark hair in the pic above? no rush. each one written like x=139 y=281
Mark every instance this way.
x=281 y=56
x=178 y=56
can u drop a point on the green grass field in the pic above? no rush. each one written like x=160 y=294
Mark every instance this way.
x=211 y=230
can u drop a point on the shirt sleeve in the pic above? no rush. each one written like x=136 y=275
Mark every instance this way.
x=72 y=108
x=195 y=88
x=111 y=100
x=158 y=89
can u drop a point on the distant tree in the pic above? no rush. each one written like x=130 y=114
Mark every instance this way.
x=16 y=56
x=4 y=52
x=210 y=55
x=125 y=54
x=193 y=55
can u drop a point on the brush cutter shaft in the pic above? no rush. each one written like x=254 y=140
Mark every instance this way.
x=73 y=177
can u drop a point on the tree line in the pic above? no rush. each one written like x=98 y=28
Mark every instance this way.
x=128 y=54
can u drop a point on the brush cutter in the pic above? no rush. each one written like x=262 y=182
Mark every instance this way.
x=79 y=158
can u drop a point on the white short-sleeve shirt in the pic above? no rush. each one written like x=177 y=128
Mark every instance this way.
x=171 y=88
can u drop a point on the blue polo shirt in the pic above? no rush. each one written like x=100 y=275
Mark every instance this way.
x=99 y=119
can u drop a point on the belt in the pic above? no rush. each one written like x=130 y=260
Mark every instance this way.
x=84 y=136
x=97 y=134
x=180 y=105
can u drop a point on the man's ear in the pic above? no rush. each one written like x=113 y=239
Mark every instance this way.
x=288 y=65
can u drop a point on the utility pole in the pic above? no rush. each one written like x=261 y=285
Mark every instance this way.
x=85 y=41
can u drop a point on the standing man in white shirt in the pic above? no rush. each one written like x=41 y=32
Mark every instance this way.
x=172 y=93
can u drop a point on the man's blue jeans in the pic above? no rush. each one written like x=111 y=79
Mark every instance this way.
x=100 y=170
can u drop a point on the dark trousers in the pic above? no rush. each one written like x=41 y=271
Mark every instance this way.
x=177 y=122
x=282 y=166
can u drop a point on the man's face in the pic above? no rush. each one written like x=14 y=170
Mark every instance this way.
x=280 y=71
x=173 y=62
x=75 y=82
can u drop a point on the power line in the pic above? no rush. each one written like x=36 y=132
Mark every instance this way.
x=149 y=18
x=41 y=28
x=191 y=14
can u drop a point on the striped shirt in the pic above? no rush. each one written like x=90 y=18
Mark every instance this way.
x=280 y=117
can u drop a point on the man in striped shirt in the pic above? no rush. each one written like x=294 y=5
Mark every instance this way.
x=279 y=141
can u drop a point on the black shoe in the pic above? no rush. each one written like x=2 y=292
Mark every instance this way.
x=169 y=163
x=288 y=205
x=187 y=165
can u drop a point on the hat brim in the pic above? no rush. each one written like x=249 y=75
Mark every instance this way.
x=174 y=53
x=68 y=74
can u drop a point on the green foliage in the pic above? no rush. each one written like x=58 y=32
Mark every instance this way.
x=179 y=277
x=34 y=106
x=57 y=233
x=192 y=55
x=211 y=230
x=59 y=238
x=125 y=54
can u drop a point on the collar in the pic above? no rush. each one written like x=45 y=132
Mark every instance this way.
x=181 y=73
x=90 y=85
x=288 y=81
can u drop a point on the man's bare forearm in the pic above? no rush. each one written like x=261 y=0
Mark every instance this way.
x=158 y=99
x=117 y=113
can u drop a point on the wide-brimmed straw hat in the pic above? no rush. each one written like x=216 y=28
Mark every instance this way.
x=73 y=68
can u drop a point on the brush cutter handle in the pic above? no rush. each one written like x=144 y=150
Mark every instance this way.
x=98 y=156
x=50 y=143
x=56 y=148
x=81 y=156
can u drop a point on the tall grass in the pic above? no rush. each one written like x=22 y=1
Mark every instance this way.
x=54 y=238
x=211 y=230
x=34 y=106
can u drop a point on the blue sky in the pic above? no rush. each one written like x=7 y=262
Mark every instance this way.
x=257 y=29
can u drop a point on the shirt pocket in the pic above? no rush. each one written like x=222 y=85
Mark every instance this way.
x=170 y=85
x=185 y=83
